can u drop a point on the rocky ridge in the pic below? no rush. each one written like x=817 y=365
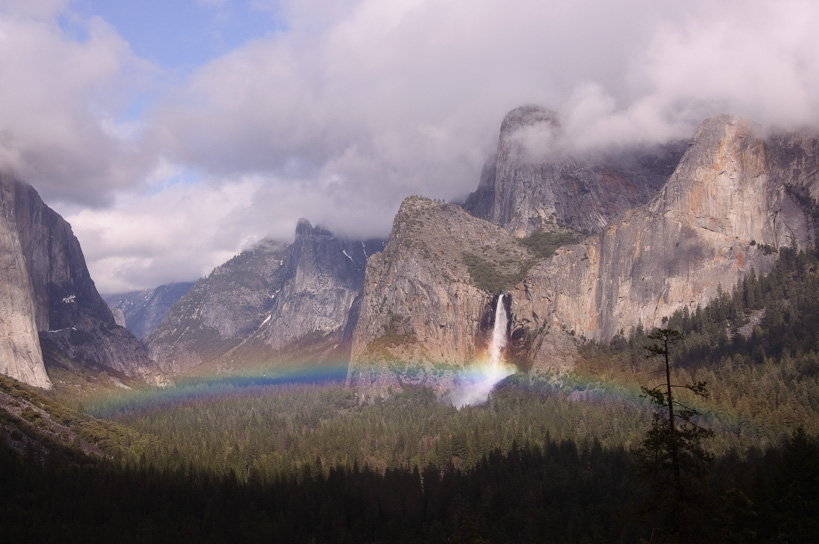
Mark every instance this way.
x=313 y=315
x=424 y=307
x=220 y=310
x=735 y=198
x=267 y=303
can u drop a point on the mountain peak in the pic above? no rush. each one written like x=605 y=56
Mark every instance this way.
x=530 y=115
x=304 y=229
x=533 y=180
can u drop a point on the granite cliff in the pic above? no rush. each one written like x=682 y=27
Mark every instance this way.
x=269 y=303
x=20 y=354
x=313 y=315
x=220 y=310
x=50 y=300
x=428 y=299
x=536 y=179
x=735 y=196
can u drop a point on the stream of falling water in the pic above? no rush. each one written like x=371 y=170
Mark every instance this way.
x=478 y=380
x=498 y=336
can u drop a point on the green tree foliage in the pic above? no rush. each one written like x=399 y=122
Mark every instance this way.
x=543 y=243
x=551 y=459
x=756 y=347
x=791 y=500
x=495 y=276
x=487 y=276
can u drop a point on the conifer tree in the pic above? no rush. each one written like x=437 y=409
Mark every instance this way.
x=672 y=452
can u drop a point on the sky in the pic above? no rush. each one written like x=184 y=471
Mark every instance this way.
x=172 y=135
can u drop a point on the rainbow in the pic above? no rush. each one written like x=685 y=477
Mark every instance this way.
x=112 y=403
x=478 y=379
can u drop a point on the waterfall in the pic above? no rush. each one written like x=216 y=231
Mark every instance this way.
x=477 y=381
x=498 y=341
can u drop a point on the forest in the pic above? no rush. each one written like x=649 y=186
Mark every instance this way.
x=549 y=458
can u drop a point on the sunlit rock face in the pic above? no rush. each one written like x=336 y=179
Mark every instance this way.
x=422 y=315
x=220 y=310
x=47 y=278
x=735 y=195
x=537 y=178
x=20 y=353
x=269 y=302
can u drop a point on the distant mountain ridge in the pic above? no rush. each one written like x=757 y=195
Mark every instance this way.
x=266 y=300
x=143 y=311
x=663 y=228
x=220 y=310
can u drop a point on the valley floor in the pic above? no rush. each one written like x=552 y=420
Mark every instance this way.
x=545 y=459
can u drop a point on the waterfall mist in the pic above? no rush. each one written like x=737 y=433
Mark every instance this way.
x=477 y=380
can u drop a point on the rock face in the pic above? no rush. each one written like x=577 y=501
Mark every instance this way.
x=49 y=284
x=734 y=198
x=221 y=310
x=534 y=180
x=325 y=279
x=423 y=300
x=20 y=353
x=142 y=311
x=268 y=301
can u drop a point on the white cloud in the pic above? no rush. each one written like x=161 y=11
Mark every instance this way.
x=35 y=9
x=353 y=104
x=147 y=239
x=754 y=59
x=186 y=225
x=57 y=102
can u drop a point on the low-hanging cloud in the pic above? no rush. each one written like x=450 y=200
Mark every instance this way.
x=359 y=103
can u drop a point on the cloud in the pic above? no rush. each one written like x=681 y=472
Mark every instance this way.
x=147 y=239
x=58 y=102
x=758 y=61
x=536 y=143
x=405 y=97
x=351 y=105
x=151 y=238
x=392 y=98
x=34 y=9
x=753 y=59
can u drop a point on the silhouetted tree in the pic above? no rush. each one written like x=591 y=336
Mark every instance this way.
x=672 y=447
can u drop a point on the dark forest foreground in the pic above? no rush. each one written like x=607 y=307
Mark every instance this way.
x=546 y=459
